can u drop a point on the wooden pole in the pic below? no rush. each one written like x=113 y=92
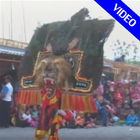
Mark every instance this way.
x=11 y=20
x=24 y=21
x=9 y=30
x=2 y=21
x=21 y=34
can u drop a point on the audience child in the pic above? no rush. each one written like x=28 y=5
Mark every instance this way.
x=27 y=117
x=19 y=121
x=132 y=119
x=89 y=123
x=35 y=113
x=80 y=120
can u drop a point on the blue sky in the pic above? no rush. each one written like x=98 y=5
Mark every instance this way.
x=49 y=11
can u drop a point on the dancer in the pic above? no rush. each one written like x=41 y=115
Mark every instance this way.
x=68 y=67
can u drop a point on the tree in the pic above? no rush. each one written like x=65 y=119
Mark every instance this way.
x=137 y=63
x=130 y=50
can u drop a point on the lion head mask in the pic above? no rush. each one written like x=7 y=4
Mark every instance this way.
x=57 y=70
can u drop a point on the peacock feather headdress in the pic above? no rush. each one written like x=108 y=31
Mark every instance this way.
x=87 y=35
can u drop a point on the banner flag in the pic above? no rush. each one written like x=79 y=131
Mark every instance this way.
x=123 y=14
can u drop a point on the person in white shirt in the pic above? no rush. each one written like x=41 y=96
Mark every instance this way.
x=27 y=117
x=6 y=99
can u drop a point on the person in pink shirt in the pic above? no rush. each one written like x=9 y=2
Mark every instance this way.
x=120 y=89
x=99 y=90
x=135 y=96
x=117 y=98
x=111 y=86
x=135 y=92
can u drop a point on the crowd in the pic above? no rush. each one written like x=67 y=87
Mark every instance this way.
x=24 y=116
x=118 y=103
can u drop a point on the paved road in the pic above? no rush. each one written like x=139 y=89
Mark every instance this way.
x=101 y=133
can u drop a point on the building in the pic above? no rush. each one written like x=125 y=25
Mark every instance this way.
x=10 y=54
x=122 y=70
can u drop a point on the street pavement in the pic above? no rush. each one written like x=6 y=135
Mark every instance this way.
x=100 y=133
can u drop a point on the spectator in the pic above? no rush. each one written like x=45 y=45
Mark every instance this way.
x=27 y=117
x=103 y=114
x=126 y=92
x=101 y=110
x=89 y=123
x=132 y=119
x=80 y=120
x=6 y=99
x=117 y=98
x=35 y=113
x=19 y=121
x=107 y=95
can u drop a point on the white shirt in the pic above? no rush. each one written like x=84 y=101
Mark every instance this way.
x=8 y=91
x=26 y=117
x=74 y=114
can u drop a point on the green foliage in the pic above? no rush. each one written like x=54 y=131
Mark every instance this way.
x=133 y=62
x=123 y=48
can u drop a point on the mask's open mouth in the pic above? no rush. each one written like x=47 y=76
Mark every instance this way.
x=50 y=84
x=50 y=81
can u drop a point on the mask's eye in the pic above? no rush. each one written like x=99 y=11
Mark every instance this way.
x=71 y=61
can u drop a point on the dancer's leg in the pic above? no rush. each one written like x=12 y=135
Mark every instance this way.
x=40 y=135
x=53 y=132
